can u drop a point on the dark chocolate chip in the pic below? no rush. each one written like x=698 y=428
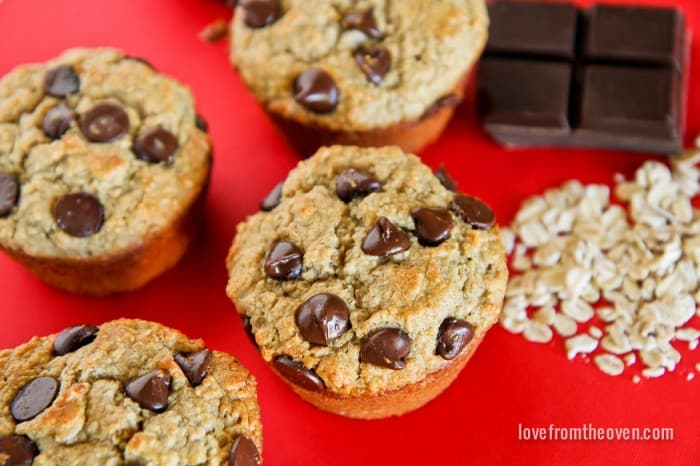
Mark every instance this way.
x=298 y=374
x=194 y=365
x=385 y=239
x=386 y=347
x=445 y=179
x=150 y=390
x=61 y=81
x=244 y=453
x=453 y=336
x=74 y=338
x=17 y=450
x=473 y=211
x=156 y=145
x=201 y=123
x=316 y=91
x=9 y=193
x=78 y=214
x=284 y=261
x=57 y=121
x=450 y=100
x=140 y=60
x=363 y=21
x=34 y=398
x=104 y=122
x=323 y=318
x=248 y=327
x=273 y=199
x=433 y=226
x=353 y=183
x=260 y=13
x=374 y=62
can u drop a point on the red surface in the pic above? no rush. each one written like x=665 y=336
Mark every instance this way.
x=509 y=381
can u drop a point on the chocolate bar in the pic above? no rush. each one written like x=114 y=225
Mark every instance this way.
x=607 y=77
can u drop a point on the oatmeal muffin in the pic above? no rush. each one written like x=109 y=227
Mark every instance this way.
x=103 y=170
x=127 y=392
x=365 y=283
x=359 y=72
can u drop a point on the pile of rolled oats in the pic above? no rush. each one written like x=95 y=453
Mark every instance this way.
x=618 y=281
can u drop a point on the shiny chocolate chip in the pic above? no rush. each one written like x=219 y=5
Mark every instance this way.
x=104 y=122
x=352 y=183
x=248 y=328
x=243 y=453
x=194 y=365
x=385 y=239
x=201 y=123
x=57 y=121
x=363 y=21
x=273 y=199
x=78 y=214
x=150 y=390
x=9 y=193
x=316 y=91
x=374 y=62
x=445 y=179
x=323 y=318
x=156 y=145
x=260 y=13
x=284 y=261
x=61 y=81
x=453 y=336
x=386 y=347
x=450 y=100
x=433 y=226
x=473 y=211
x=17 y=450
x=298 y=374
x=34 y=398
x=74 y=338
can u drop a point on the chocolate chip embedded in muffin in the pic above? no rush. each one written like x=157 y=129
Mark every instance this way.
x=445 y=178
x=194 y=365
x=316 y=90
x=104 y=122
x=473 y=211
x=284 y=261
x=273 y=199
x=323 y=318
x=156 y=145
x=34 y=398
x=17 y=450
x=386 y=347
x=78 y=214
x=260 y=13
x=385 y=239
x=61 y=81
x=374 y=62
x=298 y=374
x=244 y=453
x=74 y=338
x=9 y=193
x=433 y=226
x=57 y=121
x=362 y=21
x=150 y=390
x=453 y=336
x=352 y=183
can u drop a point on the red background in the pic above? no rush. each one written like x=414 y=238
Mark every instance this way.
x=509 y=381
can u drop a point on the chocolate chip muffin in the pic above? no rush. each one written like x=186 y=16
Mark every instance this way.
x=365 y=283
x=103 y=169
x=359 y=72
x=126 y=392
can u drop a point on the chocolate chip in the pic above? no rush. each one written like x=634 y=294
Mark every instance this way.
x=374 y=62
x=34 y=398
x=17 y=450
x=61 y=81
x=156 y=145
x=248 y=327
x=316 y=90
x=323 y=318
x=243 y=453
x=453 y=336
x=298 y=374
x=473 y=211
x=78 y=214
x=433 y=226
x=9 y=193
x=285 y=260
x=57 y=121
x=386 y=347
x=385 y=239
x=445 y=179
x=273 y=199
x=104 y=122
x=201 y=123
x=194 y=365
x=74 y=338
x=150 y=390
x=260 y=13
x=363 y=21
x=450 y=100
x=352 y=183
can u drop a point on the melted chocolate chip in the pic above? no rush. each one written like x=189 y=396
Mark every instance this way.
x=374 y=62
x=285 y=261
x=17 y=450
x=298 y=374
x=433 y=226
x=453 y=336
x=473 y=211
x=323 y=318
x=150 y=390
x=74 y=338
x=352 y=183
x=243 y=453
x=248 y=327
x=156 y=145
x=316 y=91
x=57 y=121
x=260 y=13
x=450 y=100
x=445 y=179
x=104 y=122
x=201 y=123
x=78 y=214
x=34 y=398
x=273 y=199
x=386 y=347
x=9 y=193
x=363 y=21
x=194 y=365
x=61 y=81
x=385 y=239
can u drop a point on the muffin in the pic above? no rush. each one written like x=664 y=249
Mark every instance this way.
x=367 y=285
x=104 y=165
x=365 y=73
